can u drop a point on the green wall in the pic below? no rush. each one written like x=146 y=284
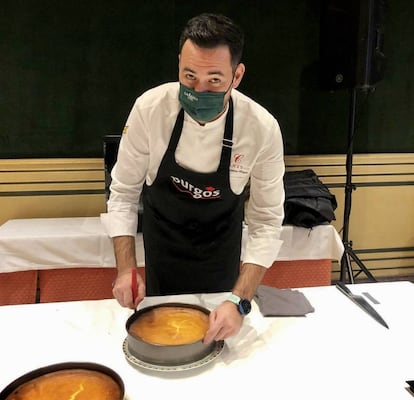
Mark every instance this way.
x=71 y=70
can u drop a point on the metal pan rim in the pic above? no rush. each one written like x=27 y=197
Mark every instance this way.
x=38 y=372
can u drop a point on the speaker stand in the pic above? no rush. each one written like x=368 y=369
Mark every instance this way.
x=349 y=254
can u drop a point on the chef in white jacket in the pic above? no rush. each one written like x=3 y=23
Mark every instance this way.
x=193 y=149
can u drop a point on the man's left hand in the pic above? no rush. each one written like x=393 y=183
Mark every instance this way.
x=225 y=321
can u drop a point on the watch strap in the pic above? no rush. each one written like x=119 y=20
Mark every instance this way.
x=243 y=305
x=234 y=299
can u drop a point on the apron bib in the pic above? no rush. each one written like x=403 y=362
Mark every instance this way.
x=192 y=225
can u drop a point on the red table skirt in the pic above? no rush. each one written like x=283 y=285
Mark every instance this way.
x=18 y=287
x=86 y=283
x=298 y=273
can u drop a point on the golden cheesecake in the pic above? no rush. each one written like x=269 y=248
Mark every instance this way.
x=69 y=384
x=170 y=325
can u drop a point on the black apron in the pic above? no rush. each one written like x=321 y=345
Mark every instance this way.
x=192 y=224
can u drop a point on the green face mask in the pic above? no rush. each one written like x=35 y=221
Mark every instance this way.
x=201 y=106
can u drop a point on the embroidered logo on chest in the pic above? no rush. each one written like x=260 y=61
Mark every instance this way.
x=237 y=165
x=209 y=192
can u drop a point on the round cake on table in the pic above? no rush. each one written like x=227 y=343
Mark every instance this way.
x=70 y=384
x=168 y=334
x=170 y=325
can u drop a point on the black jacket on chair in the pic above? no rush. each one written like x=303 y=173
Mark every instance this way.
x=308 y=202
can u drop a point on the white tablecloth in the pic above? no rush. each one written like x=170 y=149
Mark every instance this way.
x=45 y=243
x=338 y=352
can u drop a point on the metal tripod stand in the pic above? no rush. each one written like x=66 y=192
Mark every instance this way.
x=349 y=254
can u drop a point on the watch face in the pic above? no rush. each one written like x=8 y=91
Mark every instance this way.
x=245 y=306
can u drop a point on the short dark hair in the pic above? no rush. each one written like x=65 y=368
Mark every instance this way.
x=212 y=30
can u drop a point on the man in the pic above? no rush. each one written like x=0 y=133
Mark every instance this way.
x=192 y=148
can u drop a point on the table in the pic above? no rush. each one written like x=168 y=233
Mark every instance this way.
x=52 y=259
x=338 y=352
x=45 y=243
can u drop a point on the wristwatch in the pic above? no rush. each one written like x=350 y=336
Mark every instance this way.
x=243 y=305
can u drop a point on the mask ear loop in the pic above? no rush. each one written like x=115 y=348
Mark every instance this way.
x=228 y=89
x=231 y=83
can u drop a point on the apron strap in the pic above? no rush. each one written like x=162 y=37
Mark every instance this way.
x=176 y=133
x=227 y=140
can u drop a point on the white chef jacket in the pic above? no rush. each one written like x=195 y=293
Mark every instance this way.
x=257 y=155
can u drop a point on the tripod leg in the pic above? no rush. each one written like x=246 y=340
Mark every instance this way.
x=346 y=267
x=349 y=253
x=361 y=265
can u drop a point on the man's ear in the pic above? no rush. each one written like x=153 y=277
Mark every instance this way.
x=238 y=75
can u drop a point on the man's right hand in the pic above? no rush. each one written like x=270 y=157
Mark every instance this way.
x=122 y=289
x=124 y=247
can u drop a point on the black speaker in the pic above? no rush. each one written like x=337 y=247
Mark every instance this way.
x=351 y=43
